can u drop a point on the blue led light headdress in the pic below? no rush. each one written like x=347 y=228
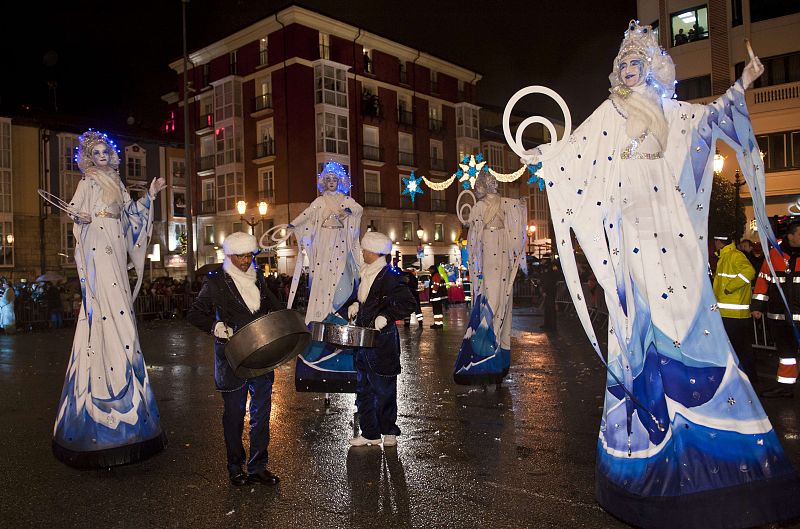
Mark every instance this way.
x=88 y=141
x=339 y=171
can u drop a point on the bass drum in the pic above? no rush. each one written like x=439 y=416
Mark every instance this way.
x=267 y=342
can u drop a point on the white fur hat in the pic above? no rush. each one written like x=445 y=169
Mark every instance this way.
x=239 y=243
x=376 y=242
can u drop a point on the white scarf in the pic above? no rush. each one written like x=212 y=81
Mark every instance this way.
x=368 y=274
x=245 y=283
x=108 y=180
x=643 y=113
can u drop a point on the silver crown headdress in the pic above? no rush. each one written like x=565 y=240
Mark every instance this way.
x=641 y=41
x=88 y=141
x=334 y=168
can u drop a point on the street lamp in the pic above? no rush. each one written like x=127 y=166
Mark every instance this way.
x=241 y=207
x=719 y=163
x=531 y=233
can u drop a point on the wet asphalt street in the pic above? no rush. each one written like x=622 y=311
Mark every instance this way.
x=522 y=456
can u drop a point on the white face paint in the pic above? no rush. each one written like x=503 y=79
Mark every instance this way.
x=331 y=182
x=101 y=155
x=631 y=71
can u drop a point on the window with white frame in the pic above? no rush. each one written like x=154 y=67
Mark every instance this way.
x=266 y=184
x=332 y=133
x=438 y=200
x=331 y=85
x=6 y=246
x=178 y=171
x=372 y=188
x=405 y=144
x=206 y=107
x=68 y=169
x=228 y=100
x=263 y=48
x=434 y=77
x=67 y=242
x=265 y=132
x=135 y=163
x=324 y=46
x=371 y=136
x=232 y=62
x=229 y=145
x=230 y=190
x=437 y=155
x=208 y=234
x=438 y=231
x=467 y=121
x=263 y=93
x=495 y=157
x=207 y=189
x=408 y=230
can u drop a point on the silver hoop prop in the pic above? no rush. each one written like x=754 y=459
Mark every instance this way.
x=57 y=202
x=273 y=240
x=463 y=215
x=515 y=143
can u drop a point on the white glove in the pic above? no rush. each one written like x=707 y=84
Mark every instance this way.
x=531 y=157
x=157 y=185
x=380 y=322
x=751 y=72
x=352 y=310
x=222 y=331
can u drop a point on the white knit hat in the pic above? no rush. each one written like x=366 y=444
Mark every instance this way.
x=376 y=242
x=239 y=243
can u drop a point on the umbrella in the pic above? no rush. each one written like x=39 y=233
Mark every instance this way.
x=208 y=268
x=51 y=276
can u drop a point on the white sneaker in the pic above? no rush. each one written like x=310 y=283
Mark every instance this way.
x=389 y=440
x=363 y=441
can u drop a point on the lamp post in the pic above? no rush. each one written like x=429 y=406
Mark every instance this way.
x=719 y=163
x=241 y=207
x=531 y=233
x=187 y=162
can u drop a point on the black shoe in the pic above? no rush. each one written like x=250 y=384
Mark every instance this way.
x=265 y=477
x=238 y=479
x=777 y=393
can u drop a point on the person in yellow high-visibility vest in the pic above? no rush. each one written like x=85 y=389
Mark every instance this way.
x=733 y=289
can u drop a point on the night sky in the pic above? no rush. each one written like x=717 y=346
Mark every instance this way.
x=109 y=60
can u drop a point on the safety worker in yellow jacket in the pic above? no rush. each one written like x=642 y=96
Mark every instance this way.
x=768 y=302
x=732 y=287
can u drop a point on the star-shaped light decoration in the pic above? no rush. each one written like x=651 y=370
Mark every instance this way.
x=532 y=168
x=413 y=186
x=469 y=168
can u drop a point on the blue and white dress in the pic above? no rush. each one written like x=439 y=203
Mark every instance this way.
x=496 y=248
x=682 y=430
x=107 y=414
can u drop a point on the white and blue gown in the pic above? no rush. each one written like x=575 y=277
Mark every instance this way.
x=496 y=248
x=683 y=437
x=107 y=414
x=334 y=256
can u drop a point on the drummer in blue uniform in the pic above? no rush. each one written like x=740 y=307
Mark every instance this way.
x=382 y=299
x=230 y=299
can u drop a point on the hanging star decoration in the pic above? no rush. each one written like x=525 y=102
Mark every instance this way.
x=534 y=177
x=412 y=186
x=468 y=170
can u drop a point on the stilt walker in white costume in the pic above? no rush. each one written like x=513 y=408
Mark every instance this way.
x=107 y=414
x=327 y=233
x=683 y=439
x=496 y=248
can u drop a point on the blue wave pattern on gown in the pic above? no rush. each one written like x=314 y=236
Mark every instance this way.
x=323 y=367
x=480 y=358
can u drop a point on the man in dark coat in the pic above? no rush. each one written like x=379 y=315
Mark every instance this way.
x=230 y=299
x=382 y=298
x=437 y=295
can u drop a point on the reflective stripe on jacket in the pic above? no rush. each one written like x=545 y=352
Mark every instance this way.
x=734 y=276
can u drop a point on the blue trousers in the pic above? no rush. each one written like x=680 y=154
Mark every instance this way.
x=260 y=391
x=376 y=400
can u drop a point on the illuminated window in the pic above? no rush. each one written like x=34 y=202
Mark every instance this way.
x=689 y=25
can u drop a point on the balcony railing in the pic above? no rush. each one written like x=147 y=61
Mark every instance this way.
x=407 y=203
x=373 y=199
x=265 y=148
x=405 y=117
x=437 y=164
x=406 y=158
x=205 y=121
x=436 y=125
x=262 y=102
x=206 y=162
x=781 y=92
x=208 y=206
x=267 y=195
x=438 y=205
x=372 y=152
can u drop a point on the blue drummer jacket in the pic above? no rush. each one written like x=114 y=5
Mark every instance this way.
x=389 y=297
x=219 y=300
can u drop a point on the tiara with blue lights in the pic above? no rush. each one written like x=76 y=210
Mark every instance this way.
x=88 y=141
x=336 y=169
